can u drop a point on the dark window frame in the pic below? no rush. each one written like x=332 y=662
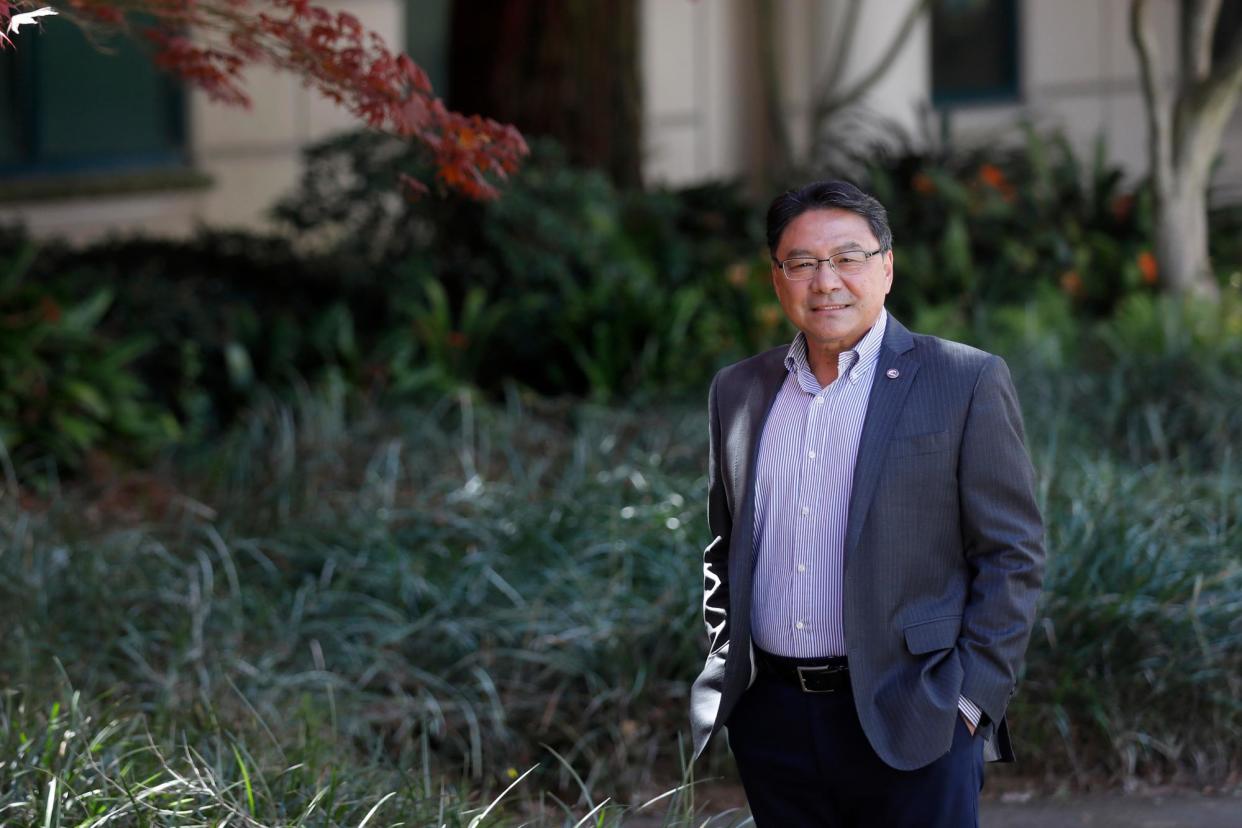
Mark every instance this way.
x=24 y=118
x=1007 y=90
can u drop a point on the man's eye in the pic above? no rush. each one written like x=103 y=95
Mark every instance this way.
x=802 y=265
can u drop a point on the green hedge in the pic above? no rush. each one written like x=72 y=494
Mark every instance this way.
x=563 y=286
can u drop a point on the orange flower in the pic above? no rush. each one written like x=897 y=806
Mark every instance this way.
x=1147 y=266
x=922 y=183
x=1071 y=283
x=991 y=175
x=994 y=177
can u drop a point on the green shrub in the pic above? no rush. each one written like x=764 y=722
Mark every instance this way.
x=224 y=313
x=1134 y=667
x=66 y=390
x=602 y=292
x=991 y=225
x=449 y=587
x=429 y=350
x=565 y=285
x=1156 y=382
x=452 y=594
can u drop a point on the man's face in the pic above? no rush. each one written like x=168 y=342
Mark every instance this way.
x=833 y=311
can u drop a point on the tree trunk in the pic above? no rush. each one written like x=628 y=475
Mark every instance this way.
x=1182 y=241
x=561 y=68
x=1184 y=132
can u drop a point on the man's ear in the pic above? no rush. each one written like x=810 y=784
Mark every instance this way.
x=888 y=270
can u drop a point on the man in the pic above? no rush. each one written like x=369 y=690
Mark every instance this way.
x=877 y=552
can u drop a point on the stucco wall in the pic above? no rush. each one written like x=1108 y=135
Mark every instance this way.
x=698 y=90
x=1077 y=72
x=703 y=111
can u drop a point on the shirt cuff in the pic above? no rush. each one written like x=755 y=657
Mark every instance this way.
x=970 y=710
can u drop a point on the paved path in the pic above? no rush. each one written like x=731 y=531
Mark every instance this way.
x=1116 y=811
x=1081 y=811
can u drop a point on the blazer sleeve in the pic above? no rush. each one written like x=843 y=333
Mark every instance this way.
x=1002 y=534
x=719 y=521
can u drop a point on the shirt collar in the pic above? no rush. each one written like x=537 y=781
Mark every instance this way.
x=854 y=363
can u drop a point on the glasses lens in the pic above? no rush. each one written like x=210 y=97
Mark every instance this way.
x=799 y=268
x=850 y=263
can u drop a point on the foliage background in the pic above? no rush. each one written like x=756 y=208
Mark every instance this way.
x=408 y=499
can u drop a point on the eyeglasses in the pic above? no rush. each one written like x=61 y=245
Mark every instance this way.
x=848 y=263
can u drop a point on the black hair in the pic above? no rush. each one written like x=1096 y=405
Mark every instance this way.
x=826 y=195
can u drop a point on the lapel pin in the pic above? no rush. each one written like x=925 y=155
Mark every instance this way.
x=892 y=373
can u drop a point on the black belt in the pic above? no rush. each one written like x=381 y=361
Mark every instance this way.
x=810 y=675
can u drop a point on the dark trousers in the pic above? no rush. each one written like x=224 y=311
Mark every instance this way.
x=806 y=763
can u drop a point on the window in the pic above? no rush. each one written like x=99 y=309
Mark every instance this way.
x=974 y=51
x=68 y=106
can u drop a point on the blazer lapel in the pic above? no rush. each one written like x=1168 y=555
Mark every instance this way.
x=888 y=395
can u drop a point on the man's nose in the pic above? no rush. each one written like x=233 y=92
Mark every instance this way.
x=826 y=279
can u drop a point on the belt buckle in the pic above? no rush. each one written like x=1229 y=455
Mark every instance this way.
x=826 y=669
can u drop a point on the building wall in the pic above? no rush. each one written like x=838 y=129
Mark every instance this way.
x=1078 y=72
x=703 y=112
x=698 y=89
x=705 y=115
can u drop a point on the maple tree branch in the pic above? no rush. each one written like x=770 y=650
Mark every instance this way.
x=208 y=42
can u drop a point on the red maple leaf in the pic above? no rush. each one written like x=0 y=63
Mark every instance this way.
x=332 y=52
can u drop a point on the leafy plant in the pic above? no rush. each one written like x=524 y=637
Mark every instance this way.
x=433 y=349
x=600 y=289
x=990 y=225
x=64 y=391
x=225 y=313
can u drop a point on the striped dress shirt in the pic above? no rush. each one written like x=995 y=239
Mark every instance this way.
x=803 y=481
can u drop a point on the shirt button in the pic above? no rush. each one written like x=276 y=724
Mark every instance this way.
x=802 y=567
x=819 y=400
x=806 y=510
x=799 y=625
x=811 y=454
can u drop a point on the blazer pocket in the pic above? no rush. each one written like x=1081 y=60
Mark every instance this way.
x=936 y=634
x=919 y=444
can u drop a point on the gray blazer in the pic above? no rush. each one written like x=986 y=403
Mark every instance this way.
x=943 y=547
